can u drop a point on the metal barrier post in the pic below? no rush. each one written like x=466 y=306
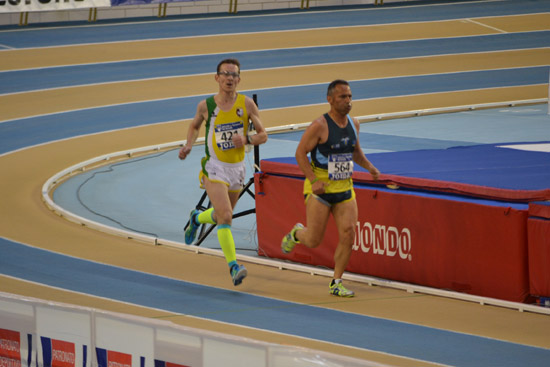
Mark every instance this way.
x=162 y=10
x=92 y=15
x=24 y=18
x=233 y=6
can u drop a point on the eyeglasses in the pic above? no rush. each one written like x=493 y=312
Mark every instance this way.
x=228 y=74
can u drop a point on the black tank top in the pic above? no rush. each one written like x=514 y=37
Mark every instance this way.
x=340 y=140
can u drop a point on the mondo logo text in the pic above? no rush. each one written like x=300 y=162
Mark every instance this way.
x=383 y=240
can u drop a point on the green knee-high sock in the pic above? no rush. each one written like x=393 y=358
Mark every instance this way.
x=207 y=216
x=227 y=243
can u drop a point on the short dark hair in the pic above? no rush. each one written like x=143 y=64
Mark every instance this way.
x=229 y=61
x=333 y=85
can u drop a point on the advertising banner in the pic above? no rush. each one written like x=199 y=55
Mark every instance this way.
x=39 y=333
x=21 y=6
x=17 y=346
x=54 y=348
x=109 y=358
x=145 y=2
x=59 y=353
x=159 y=363
x=115 y=348
x=10 y=348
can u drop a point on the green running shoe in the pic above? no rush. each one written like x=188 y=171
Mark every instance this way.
x=339 y=290
x=289 y=241
x=191 y=230
x=238 y=273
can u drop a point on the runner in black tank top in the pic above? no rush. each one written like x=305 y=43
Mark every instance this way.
x=340 y=140
x=328 y=185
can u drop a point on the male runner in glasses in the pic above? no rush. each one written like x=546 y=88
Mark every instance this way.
x=227 y=115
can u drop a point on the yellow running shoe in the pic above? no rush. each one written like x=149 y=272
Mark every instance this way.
x=339 y=290
x=289 y=241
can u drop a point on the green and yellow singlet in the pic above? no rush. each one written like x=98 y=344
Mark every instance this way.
x=221 y=126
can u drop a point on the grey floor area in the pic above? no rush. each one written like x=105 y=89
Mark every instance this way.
x=154 y=194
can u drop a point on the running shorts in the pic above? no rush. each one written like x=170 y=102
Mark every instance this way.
x=230 y=174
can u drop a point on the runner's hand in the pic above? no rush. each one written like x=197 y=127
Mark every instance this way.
x=318 y=187
x=184 y=152
x=239 y=141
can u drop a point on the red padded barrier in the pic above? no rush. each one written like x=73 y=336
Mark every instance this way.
x=437 y=242
x=538 y=228
x=539 y=257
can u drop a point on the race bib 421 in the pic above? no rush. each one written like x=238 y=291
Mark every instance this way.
x=225 y=132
